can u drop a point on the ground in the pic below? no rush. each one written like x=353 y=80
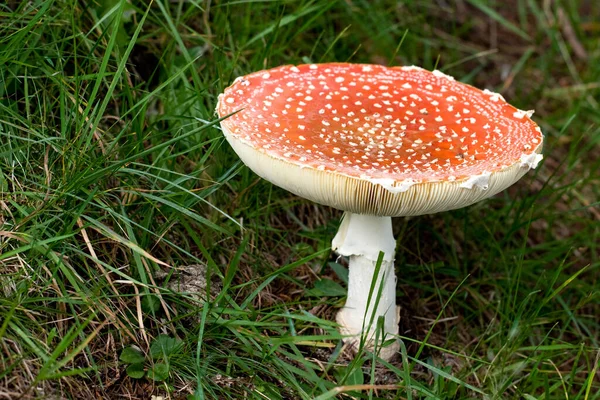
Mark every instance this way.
x=116 y=187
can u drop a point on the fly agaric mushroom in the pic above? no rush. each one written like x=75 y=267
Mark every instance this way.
x=376 y=142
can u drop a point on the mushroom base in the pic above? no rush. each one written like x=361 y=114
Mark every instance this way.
x=357 y=321
x=363 y=238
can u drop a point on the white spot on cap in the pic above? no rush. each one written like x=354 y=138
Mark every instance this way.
x=520 y=113
x=440 y=74
x=295 y=69
x=412 y=68
x=229 y=100
x=493 y=96
x=391 y=185
x=479 y=181
x=531 y=161
x=339 y=79
x=407 y=86
x=266 y=75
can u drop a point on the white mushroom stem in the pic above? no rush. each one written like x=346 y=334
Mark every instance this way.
x=362 y=238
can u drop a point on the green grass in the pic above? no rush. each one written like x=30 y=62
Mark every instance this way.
x=115 y=183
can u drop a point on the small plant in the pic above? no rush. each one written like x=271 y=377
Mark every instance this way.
x=156 y=365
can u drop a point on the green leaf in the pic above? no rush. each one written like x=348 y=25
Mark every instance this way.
x=164 y=346
x=150 y=303
x=355 y=377
x=159 y=372
x=340 y=271
x=3 y=183
x=129 y=355
x=135 y=371
x=328 y=288
x=350 y=376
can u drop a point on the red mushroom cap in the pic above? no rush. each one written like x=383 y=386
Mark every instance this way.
x=392 y=128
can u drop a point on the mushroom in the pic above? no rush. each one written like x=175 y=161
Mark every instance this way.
x=376 y=142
